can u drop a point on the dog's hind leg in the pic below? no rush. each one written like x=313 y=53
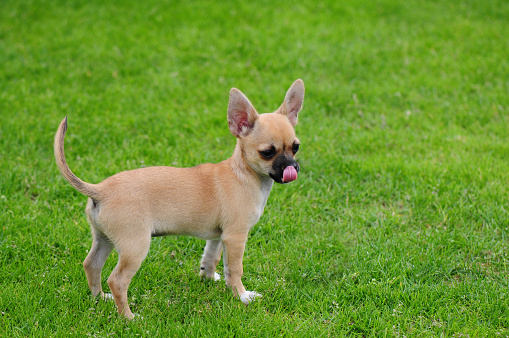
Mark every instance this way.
x=93 y=264
x=210 y=259
x=131 y=253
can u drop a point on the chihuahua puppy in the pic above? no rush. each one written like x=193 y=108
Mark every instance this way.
x=216 y=202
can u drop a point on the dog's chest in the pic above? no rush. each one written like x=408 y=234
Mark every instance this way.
x=263 y=196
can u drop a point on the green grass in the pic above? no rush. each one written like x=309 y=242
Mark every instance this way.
x=397 y=225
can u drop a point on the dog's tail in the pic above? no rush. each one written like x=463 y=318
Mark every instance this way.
x=83 y=187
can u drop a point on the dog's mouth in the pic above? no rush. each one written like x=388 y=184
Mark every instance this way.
x=289 y=174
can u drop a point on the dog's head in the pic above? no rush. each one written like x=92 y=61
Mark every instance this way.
x=267 y=141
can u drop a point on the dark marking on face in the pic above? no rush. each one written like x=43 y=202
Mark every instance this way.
x=269 y=153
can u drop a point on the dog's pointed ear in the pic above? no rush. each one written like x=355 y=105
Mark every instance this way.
x=293 y=102
x=241 y=114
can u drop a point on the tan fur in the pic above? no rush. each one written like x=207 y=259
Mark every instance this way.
x=216 y=202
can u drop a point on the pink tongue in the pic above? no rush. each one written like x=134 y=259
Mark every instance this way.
x=289 y=174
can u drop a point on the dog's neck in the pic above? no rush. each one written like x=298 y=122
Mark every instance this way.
x=244 y=172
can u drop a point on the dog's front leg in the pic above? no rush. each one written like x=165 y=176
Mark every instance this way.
x=211 y=256
x=233 y=247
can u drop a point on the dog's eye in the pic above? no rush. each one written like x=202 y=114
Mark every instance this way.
x=269 y=153
x=295 y=148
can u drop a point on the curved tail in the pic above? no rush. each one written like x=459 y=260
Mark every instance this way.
x=83 y=187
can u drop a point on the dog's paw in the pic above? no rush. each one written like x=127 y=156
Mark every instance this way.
x=133 y=316
x=248 y=296
x=106 y=296
x=215 y=278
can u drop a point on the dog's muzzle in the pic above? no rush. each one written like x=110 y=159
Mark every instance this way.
x=284 y=170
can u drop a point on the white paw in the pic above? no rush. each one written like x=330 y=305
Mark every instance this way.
x=215 y=278
x=106 y=296
x=134 y=316
x=248 y=296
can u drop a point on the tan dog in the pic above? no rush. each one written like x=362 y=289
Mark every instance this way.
x=217 y=202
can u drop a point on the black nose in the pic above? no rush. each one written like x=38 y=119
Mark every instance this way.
x=293 y=163
x=297 y=166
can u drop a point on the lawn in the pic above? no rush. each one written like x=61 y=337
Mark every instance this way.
x=398 y=223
